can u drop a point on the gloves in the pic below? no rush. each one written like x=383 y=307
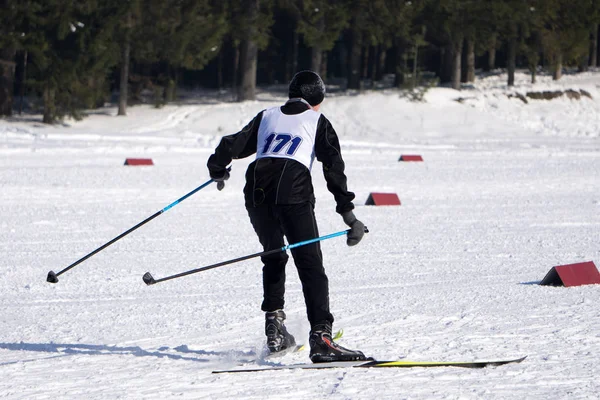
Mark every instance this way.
x=220 y=179
x=357 y=228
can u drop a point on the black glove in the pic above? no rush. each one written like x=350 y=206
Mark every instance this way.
x=220 y=179
x=357 y=228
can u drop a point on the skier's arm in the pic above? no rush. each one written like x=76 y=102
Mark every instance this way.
x=238 y=145
x=327 y=151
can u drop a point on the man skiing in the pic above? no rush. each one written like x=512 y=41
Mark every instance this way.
x=280 y=200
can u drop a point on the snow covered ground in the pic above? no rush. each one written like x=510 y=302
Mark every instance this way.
x=507 y=191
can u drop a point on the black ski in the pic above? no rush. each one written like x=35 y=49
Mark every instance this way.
x=375 y=364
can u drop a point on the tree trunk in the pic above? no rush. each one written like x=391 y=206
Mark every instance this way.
x=594 y=47
x=171 y=84
x=512 y=60
x=456 y=62
x=415 y=64
x=582 y=65
x=380 y=63
x=249 y=54
x=123 y=85
x=446 y=64
x=343 y=58
x=470 y=77
x=22 y=85
x=220 y=69
x=96 y=85
x=463 y=65
x=373 y=61
x=7 y=80
x=316 y=60
x=400 y=68
x=491 y=59
x=317 y=52
x=365 y=62
x=271 y=69
x=49 y=106
x=248 y=61
x=324 y=66
x=584 y=59
x=293 y=61
x=354 y=59
x=557 y=73
x=236 y=68
x=492 y=54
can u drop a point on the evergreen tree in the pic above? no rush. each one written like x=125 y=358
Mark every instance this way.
x=250 y=26
x=180 y=34
x=356 y=36
x=11 y=41
x=447 y=21
x=595 y=26
x=518 y=22
x=565 y=31
x=530 y=44
x=67 y=54
x=377 y=37
x=13 y=37
x=125 y=19
x=402 y=27
x=74 y=48
x=292 y=10
x=247 y=24
x=321 y=23
x=594 y=17
x=479 y=32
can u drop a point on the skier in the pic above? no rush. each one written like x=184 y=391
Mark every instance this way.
x=280 y=202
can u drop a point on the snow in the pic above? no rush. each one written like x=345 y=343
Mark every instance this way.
x=507 y=190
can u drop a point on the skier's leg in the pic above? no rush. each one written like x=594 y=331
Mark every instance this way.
x=299 y=224
x=266 y=226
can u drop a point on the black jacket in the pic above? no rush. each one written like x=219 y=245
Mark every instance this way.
x=284 y=181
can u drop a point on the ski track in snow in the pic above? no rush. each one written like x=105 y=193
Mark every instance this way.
x=506 y=192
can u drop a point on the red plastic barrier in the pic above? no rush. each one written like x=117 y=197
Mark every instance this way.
x=410 y=157
x=584 y=273
x=138 y=161
x=383 y=199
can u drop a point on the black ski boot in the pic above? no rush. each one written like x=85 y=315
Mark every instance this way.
x=278 y=338
x=324 y=349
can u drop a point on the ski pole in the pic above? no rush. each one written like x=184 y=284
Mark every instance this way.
x=53 y=277
x=149 y=280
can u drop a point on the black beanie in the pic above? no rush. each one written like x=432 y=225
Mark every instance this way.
x=309 y=86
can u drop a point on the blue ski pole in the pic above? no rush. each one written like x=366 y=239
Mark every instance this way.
x=53 y=277
x=149 y=280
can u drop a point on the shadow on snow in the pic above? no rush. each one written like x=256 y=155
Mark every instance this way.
x=96 y=349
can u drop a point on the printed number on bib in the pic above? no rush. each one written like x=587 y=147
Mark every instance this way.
x=275 y=144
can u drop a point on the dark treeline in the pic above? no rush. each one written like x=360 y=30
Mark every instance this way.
x=72 y=55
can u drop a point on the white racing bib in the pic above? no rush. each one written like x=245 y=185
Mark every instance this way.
x=288 y=136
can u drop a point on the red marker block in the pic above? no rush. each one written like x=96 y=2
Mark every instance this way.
x=138 y=161
x=410 y=157
x=383 y=199
x=578 y=274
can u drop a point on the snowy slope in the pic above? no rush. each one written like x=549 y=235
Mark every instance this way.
x=507 y=191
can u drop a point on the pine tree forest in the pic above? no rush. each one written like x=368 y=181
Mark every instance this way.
x=62 y=57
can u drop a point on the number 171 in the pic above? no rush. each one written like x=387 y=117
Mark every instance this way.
x=282 y=140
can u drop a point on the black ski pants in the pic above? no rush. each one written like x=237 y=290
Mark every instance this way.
x=297 y=222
